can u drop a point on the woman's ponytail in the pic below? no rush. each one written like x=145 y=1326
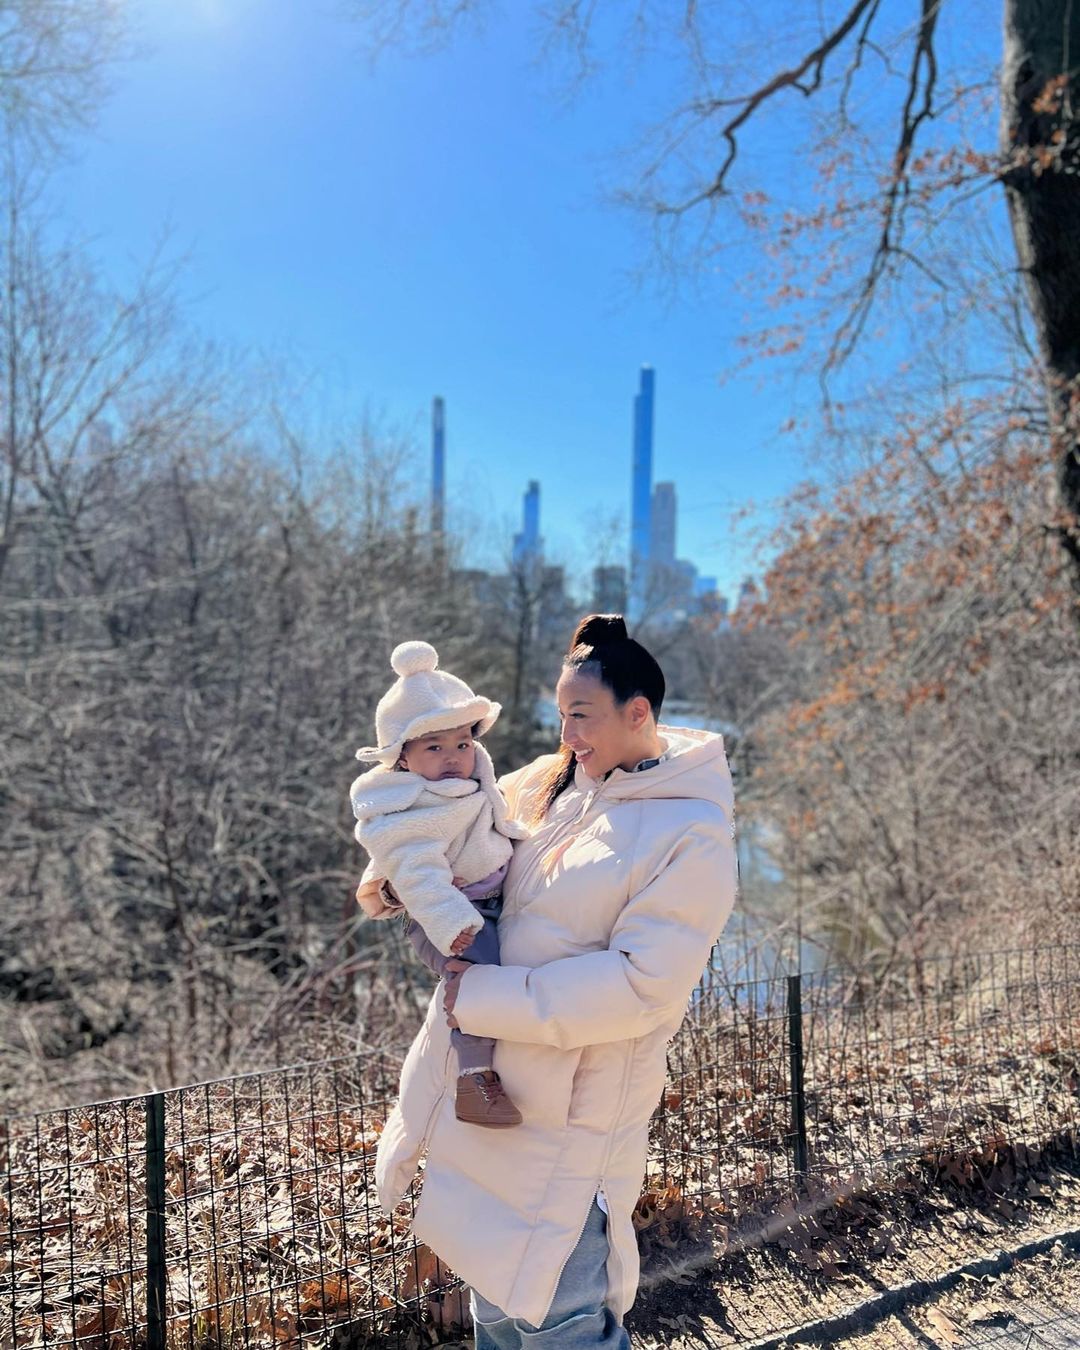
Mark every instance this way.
x=602 y=644
x=555 y=780
x=598 y=630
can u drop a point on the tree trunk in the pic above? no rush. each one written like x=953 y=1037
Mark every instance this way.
x=1040 y=140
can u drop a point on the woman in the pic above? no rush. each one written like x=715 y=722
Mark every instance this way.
x=611 y=907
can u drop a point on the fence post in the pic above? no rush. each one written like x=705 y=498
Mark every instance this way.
x=155 y=1221
x=798 y=1089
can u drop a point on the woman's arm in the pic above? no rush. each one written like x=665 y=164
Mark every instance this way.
x=658 y=949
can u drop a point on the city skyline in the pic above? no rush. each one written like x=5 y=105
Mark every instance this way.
x=652 y=576
x=528 y=331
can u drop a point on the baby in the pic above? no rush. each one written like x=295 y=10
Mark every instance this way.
x=435 y=825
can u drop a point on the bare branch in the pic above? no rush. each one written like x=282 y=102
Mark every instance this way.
x=794 y=78
x=922 y=82
x=55 y=59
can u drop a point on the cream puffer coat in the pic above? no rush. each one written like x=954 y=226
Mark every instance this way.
x=611 y=908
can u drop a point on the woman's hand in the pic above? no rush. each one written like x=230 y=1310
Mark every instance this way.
x=451 y=981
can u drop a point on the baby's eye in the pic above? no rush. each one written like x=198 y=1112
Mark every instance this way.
x=434 y=748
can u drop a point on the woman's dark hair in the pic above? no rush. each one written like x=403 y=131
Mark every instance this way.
x=628 y=670
x=601 y=646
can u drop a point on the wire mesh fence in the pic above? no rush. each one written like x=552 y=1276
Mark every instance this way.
x=242 y=1212
x=845 y=1081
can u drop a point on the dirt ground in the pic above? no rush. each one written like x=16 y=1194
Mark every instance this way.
x=954 y=1265
x=938 y=1257
x=1034 y=1304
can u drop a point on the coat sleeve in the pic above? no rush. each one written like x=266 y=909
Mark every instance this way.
x=417 y=868
x=657 y=951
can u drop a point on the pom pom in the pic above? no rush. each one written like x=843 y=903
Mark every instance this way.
x=410 y=658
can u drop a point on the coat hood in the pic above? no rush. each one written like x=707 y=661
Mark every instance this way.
x=697 y=770
x=384 y=791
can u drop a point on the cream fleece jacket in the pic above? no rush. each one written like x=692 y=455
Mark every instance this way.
x=421 y=834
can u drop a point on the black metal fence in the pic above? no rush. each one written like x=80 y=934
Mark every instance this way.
x=242 y=1212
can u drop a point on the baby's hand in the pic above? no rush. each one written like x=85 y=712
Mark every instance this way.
x=463 y=941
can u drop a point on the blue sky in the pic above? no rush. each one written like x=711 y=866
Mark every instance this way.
x=436 y=224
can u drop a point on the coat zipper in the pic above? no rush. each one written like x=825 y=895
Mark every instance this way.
x=566 y=832
x=573 y=1249
x=613 y=1251
x=601 y=1185
x=438 y=1101
x=559 y=833
x=600 y=1188
x=569 y=825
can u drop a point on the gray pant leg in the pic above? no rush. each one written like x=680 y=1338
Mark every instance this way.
x=473 y=1052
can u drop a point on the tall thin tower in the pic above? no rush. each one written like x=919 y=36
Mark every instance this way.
x=528 y=546
x=438 y=467
x=664 y=513
x=641 y=491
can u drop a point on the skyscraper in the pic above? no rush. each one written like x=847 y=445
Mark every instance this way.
x=662 y=532
x=438 y=467
x=609 y=590
x=641 y=490
x=528 y=545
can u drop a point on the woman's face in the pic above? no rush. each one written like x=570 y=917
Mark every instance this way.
x=602 y=735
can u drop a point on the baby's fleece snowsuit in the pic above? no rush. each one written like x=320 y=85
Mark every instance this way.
x=420 y=835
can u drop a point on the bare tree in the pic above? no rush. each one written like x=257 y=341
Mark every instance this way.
x=198 y=608
x=919 y=769
x=55 y=61
x=686 y=184
x=1040 y=139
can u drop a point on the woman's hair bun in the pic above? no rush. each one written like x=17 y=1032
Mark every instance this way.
x=599 y=630
x=410 y=658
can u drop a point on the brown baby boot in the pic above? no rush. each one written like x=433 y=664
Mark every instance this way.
x=482 y=1100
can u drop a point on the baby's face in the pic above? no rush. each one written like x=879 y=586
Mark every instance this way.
x=441 y=754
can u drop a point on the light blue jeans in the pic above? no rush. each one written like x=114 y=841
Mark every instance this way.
x=577 y=1318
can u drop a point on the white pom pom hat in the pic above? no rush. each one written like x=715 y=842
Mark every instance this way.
x=424 y=699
